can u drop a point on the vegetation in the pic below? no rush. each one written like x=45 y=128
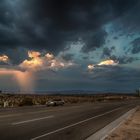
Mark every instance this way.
x=14 y=100
x=27 y=101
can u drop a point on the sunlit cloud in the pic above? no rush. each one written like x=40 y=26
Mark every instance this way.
x=34 y=64
x=24 y=72
x=4 y=58
x=49 y=56
x=39 y=62
x=90 y=67
x=108 y=62
x=33 y=54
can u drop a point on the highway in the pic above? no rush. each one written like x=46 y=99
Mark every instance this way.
x=69 y=122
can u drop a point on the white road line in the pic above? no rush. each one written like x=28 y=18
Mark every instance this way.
x=52 y=132
x=10 y=115
x=27 y=121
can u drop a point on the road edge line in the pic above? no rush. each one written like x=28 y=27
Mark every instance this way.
x=108 y=129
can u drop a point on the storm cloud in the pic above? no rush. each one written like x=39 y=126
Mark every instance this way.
x=136 y=45
x=80 y=31
x=51 y=24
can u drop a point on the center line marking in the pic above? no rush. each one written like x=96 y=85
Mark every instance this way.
x=32 y=120
x=60 y=129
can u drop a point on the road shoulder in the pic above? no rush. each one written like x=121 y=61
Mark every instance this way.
x=107 y=130
x=129 y=130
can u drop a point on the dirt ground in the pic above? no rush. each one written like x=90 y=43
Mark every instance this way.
x=129 y=130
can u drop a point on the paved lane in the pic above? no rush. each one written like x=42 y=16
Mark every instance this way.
x=72 y=122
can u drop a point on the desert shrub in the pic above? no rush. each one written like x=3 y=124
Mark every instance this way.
x=26 y=102
x=99 y=99
x=1 y=103
x=43 y=102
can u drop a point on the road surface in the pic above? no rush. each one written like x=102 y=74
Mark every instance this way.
x=70 y=122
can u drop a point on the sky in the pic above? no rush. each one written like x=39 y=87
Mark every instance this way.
x=70 y=45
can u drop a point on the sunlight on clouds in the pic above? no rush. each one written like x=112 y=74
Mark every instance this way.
x=48 y=61
x=33 y=54
x=24 y=72
x=34 y=64
x=90 y=67
x=4 y=58
x=49 y=56
x=108 y=62
x=103 y=63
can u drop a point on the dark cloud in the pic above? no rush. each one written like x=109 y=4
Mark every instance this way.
x=50 y=24
x=85 y=57
x=67 y=57
x=136 y=45
x=94 y=40
x=116 y=78
x=129 y=22
x=124 y=59
x=115 y=37
x=17 y=55
x=107 y=52
x=3 y=64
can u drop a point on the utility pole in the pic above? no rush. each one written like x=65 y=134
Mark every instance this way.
x=138 y=92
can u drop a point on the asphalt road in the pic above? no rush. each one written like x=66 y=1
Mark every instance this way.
x=70 y=122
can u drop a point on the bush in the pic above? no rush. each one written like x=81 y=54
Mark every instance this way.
x=26 y=102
